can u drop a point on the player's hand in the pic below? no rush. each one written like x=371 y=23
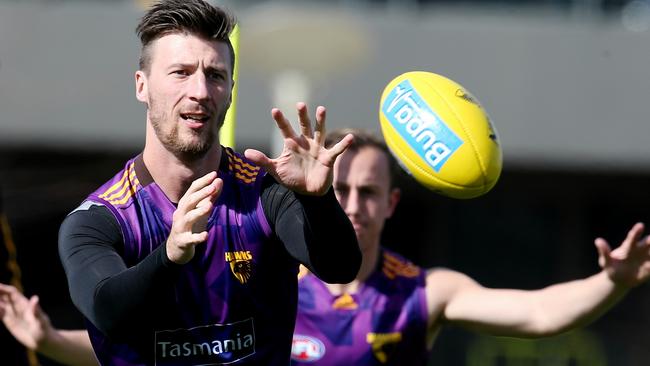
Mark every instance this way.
x=24 y=318
x=305 y=165
x=191 y=217
x=629 y=264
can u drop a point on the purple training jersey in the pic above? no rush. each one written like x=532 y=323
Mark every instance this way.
x=233 y=303
x=384 y=323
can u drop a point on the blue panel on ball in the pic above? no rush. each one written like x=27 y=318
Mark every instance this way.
x=424 y=131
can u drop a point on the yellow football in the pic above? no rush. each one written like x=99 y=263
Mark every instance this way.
x=440 y=134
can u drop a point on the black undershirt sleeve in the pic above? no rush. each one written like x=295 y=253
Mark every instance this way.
x=90 y=242
x=314 y=230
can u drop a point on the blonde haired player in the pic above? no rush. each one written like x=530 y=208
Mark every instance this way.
x=391 y=313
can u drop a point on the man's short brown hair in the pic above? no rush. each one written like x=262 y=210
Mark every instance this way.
x=195 y=17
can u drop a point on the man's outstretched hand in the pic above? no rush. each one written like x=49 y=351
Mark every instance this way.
x=305 y=166
x=629 y=264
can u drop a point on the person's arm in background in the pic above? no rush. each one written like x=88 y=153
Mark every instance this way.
x=544 y=312
x=31 y=326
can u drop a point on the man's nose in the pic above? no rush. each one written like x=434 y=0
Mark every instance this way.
x=352 y=202
x=198 y=87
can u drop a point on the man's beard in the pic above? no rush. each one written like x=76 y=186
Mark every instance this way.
x=185 y=150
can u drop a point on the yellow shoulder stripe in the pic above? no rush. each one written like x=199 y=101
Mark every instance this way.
x=394 y=266
x=123 y=190
x=242 y=170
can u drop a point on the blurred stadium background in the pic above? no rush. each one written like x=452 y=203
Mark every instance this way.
x=567 y=83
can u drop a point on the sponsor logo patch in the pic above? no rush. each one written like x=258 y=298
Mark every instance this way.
x=215 y=344
x=306 y=349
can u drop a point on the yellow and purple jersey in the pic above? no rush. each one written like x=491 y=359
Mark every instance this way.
x=233 y=303
x=383 y=323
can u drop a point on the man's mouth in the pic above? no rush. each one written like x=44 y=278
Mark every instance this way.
x=196 y=117
x=357 y=225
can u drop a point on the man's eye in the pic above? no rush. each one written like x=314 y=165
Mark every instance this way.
x=180 y=72
x=217 y=76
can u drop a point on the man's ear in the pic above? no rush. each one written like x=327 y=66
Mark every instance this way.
x=393 y=199
x=141 y=87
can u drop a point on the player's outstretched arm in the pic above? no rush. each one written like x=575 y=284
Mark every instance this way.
x=31 y=326
x=305 y=166
x=304 y=219
x=547 y=311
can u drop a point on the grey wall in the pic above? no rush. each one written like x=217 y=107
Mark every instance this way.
x=563 y=91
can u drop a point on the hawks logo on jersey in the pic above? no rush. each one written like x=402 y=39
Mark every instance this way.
x=241 y=264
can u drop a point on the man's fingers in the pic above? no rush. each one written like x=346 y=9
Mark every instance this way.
x=11 y=299
x=216 y=192
x=13 y=296
x=198 y=217
x=183 y=250
x=604 y=252
x=218 y=186
x=305 y=121
x=633 y=236
x=194 y=239
x=190 y=200
x=644 y=243
x=197 y=238
x=194 y=209
x=283 y=124
x=8 y=290
x=203 y=208
x=33 y=309
x=203 y=186
x=320 y=132
x=201 y=182
x=340 y=147
x=4 y=305
x=259 y=158
x=191 y=217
